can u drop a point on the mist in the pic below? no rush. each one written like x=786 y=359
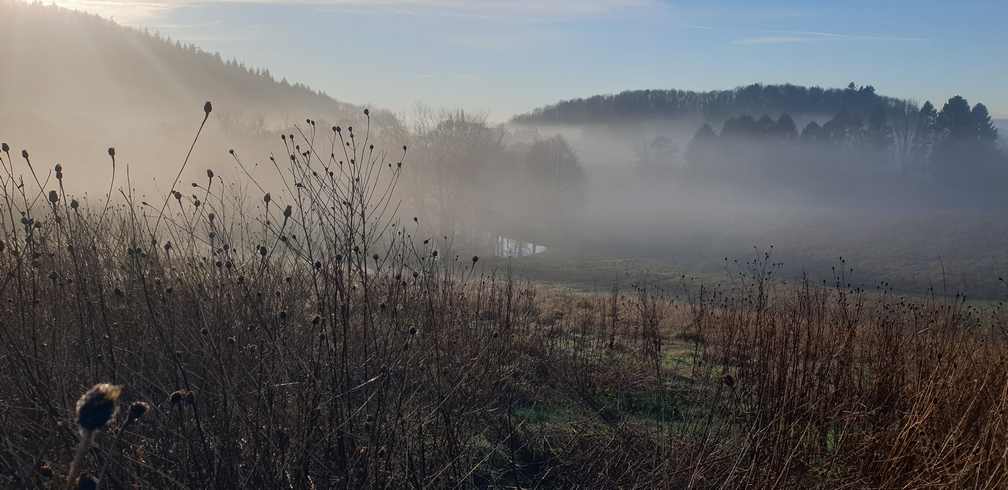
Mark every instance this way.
x=677 y=180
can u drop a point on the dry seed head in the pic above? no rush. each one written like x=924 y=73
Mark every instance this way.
x=97 y=406
x=207 y=108
x=5 y=147
x=53 y=197
x=181 y=396
x=87 y=481
x=728 y=380
x=137 y=410
x=111 y=152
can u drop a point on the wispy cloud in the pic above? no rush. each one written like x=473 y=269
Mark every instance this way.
x=800 y=37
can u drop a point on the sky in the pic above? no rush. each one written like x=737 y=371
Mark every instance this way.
x=503 y=57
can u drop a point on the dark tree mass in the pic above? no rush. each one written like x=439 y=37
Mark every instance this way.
x=635 y=105
x=949 y=156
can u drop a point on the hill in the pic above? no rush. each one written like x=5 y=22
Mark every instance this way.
x=74 y=84
x=637 y=105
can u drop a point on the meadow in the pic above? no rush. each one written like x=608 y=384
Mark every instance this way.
x=304 y=333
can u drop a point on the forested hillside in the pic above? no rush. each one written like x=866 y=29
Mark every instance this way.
x=634 y=105
x=74 y=84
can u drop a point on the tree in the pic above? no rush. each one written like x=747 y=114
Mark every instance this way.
x=813 y=133
x=555 y=186
x=957 y=120
x=927 y=133
x=928 y=119
x=846 y=127
x=785 y=127
x=986 y=132
x=699 y=149
x=656 y=158
x=880 y=135
x=553 y=162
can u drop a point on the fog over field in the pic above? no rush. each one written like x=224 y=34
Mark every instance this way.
x=683 y=178
x=894 y=216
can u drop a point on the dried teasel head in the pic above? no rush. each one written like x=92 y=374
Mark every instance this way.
x=179 y=397
x=137 y=410
x=97 y=406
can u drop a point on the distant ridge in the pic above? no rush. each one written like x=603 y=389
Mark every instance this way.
x=673 y=104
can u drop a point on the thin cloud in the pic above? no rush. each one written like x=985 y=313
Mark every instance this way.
x=800 y=37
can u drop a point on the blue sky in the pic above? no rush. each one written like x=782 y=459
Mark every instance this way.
x=503 y=57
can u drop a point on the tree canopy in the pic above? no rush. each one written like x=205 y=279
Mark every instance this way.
x=715 y=104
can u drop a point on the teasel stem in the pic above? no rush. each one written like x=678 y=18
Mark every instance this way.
x=87 y=438
x=136 y=411
x=207 y=108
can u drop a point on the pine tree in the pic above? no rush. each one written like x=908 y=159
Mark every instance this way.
x=985 y=130
x=957 y=120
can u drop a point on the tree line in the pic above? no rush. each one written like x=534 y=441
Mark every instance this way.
x=954 y=149
x=477 y=182
x=635 y=105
